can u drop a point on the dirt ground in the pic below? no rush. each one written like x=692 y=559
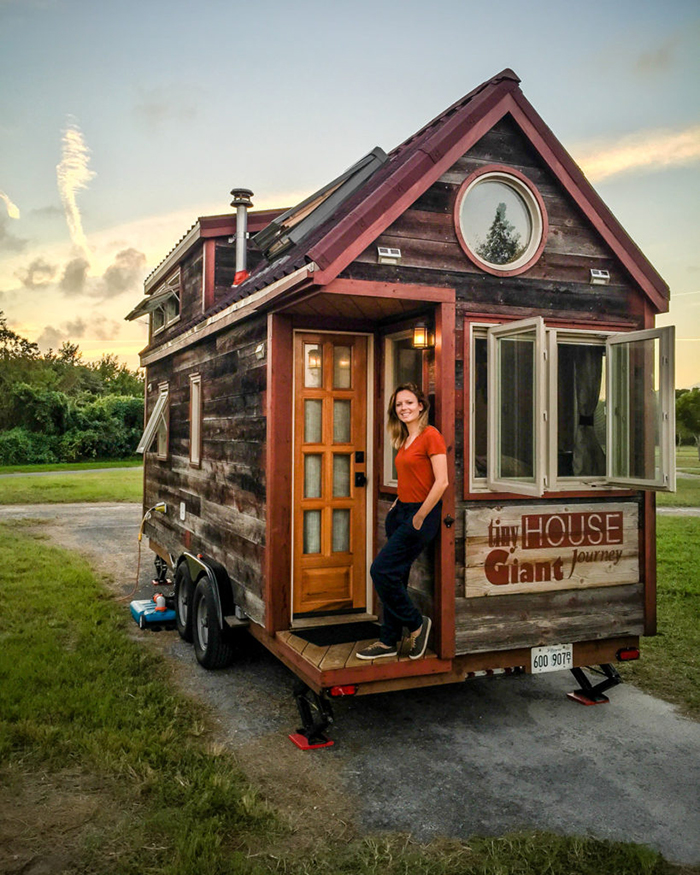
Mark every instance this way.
x=489 y=756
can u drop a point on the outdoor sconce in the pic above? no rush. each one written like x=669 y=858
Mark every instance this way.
x=422 y=338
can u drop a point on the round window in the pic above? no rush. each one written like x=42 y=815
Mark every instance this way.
x=501 y=221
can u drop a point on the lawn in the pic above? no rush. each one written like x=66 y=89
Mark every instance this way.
x=123 y=484
x=136 y=462
x=670 y=663
x=104 y=763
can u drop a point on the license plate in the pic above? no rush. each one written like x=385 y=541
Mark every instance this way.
x=553 y=657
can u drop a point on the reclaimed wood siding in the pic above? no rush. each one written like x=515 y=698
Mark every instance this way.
x=534 y=618
x=558 y=284
x=225 y=497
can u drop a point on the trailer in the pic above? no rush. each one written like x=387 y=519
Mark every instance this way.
x=476 y=260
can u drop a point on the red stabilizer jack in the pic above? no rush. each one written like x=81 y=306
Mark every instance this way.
x=303 y=743
x=580 y=697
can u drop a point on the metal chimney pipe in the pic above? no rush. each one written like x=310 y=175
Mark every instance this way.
x=241 y=200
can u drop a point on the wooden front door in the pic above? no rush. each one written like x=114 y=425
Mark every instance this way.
x=330 y=456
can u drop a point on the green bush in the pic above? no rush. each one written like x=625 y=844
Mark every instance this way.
x=19 y=446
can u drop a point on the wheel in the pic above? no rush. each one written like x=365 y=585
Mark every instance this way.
x=184 y=592
x=212 y=645
x=142 y=621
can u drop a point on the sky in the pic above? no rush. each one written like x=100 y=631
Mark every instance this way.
x=122 y=122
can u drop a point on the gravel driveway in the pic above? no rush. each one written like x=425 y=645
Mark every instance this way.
x=484 y=757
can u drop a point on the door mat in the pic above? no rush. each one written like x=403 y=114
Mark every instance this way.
x=324 y=636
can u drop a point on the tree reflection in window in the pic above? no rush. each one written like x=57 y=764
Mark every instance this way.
x=502 y=244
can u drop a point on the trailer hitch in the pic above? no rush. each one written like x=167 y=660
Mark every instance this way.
x=590 y=694
x=316 y=716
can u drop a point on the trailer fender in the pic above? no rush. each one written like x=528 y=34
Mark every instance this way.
x=219 y=579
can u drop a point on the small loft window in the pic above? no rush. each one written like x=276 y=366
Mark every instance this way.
x=166 y=309
x=158 y=426
x=501 y=221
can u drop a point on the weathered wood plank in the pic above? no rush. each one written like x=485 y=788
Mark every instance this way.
x=337 y=656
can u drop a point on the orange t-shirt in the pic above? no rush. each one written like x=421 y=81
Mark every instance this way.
x=413 y=465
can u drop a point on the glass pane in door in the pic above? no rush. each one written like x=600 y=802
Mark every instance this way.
x=341 y=476
x=313 y=419
x=341 y=531
x=312 y=475
x=342 y=359
x=313 y=366
x=312 y=531
x=341 y=422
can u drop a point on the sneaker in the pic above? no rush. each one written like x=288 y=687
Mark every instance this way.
x=420 y=642
x=376 y=651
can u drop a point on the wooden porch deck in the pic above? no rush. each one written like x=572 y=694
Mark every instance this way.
x=334 y=657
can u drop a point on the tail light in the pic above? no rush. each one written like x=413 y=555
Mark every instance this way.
x=625 y=654
x=347 y=690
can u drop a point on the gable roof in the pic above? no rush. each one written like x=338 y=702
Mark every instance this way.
x=419 y=161
x=330 y=239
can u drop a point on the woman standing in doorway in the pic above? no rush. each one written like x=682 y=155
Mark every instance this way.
x=412 y=522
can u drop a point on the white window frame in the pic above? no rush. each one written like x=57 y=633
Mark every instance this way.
x=196 y=420
x=494 y=335
x=546 y=410
x=389 y=382
x=666 y=479
x=158 y=417
x=172 y=286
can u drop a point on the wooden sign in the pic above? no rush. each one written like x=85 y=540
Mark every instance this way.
x=519 y=548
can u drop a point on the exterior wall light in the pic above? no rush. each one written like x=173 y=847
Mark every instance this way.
x=388 y=255
x=599 y=277
x=422 y=338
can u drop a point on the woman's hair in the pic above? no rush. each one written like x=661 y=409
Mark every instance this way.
x=397 y=429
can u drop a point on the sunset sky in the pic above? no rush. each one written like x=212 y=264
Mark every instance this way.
x=122 y=122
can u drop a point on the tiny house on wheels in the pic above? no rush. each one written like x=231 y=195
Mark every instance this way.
x=477 y=261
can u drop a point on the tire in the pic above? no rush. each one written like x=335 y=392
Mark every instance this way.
x=184 y=594
x=212 y=645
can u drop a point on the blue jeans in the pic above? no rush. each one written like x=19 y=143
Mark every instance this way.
x=391 y=568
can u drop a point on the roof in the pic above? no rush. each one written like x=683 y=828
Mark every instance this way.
x=332 y=238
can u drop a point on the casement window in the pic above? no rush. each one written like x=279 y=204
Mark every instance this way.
x=557 y=409
x=166 y=304
x=402 y=364
x=158 y=426
x=196 y=420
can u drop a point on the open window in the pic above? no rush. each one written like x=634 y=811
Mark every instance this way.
x=641 y=421
x=157 y=427
x=516 y=407
x=163 y=305
x=562 y=409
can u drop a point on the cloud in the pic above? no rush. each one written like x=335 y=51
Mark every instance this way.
x=74 y=274
x=37 y=275
x=125 y=274
x=159 y=105
x=9 y=241
x=73 y=174
x=659 y=59
x=50 y=212
x=12 y=209
x=646 y=151
x=97 y=326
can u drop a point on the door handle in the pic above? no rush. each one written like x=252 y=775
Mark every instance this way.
x=449 y=522
x=360 y=479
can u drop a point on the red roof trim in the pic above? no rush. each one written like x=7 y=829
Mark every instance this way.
x=572 y=178
x=437 y=146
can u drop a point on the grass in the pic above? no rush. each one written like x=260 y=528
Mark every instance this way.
x=670 y=663
x=687 y=459
x=137 y=461
x=124 y=484
x=81 y=703
x=687 y=494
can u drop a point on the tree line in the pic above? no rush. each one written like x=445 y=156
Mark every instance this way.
x=54 y=407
